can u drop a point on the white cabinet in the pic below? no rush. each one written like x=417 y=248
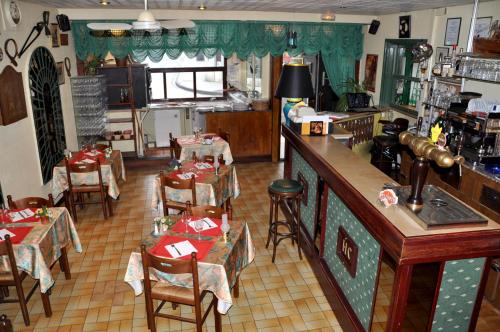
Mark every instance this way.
x=167 y=121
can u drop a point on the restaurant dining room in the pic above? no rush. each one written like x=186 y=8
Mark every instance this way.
x=215 y=165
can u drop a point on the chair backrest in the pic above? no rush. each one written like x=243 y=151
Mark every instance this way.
x=30 y=202
x=170 y=266
x=82 y=168
x=102 y=147
x=210 y=211
x=168 y=181
x=225 y=136
x=6 y=250
x=175 y=148
x=209 y=159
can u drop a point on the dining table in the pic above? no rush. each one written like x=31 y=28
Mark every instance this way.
x=39 y=242
x=112 y=170
x=220 y=258
x=211 y=188
x=204 y=145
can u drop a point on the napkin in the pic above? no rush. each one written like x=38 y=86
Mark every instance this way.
x=4 y=232
x=203 y=165
x=20 y=215
x=88 y=161
x=180 y=249
x=186 y=176
x=207 y=224
x=93 y=153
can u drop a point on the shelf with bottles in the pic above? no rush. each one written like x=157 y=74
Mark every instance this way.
x=479 y=69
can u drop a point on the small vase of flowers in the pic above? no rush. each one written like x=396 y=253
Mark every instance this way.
x=162 y=224
x=44 y=214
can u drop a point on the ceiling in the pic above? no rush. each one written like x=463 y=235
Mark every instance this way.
x=369 y=7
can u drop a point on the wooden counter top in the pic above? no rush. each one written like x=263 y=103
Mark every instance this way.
x=358 y=183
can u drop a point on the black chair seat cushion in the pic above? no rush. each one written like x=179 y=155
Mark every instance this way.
x=285 y=186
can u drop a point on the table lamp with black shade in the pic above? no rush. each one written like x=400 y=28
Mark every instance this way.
x=295 y=83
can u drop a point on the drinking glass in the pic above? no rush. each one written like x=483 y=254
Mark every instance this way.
x=198 y=226
x=186 y=217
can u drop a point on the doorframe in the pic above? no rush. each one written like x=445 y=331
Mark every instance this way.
x=276 y=64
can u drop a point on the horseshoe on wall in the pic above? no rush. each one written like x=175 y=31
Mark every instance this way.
x=12 y=57
x=67 y=65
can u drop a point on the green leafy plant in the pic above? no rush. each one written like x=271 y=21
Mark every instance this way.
x=91 y=64
x=349 y=86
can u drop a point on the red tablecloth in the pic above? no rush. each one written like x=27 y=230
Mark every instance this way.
x=202 y=246
x=30 y=219
x=80 y=155
x=20 y=232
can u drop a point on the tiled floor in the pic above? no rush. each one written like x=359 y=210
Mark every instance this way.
x=274 y=297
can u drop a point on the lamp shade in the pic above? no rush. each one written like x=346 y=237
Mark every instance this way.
x=295 y=82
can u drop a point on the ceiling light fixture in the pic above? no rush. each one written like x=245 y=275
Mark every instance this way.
x=104 y=2
x=329 y=15
x=202 y=6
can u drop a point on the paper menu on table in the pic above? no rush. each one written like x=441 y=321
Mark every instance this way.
x=4 y=232
x=203 y=165
x=186 y=176
x=180 y=249
x=93 y=153
x=20 y=215
x=88 y=161
x=207 y=224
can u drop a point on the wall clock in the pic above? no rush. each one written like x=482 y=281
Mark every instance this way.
x=47 y=111
x=12 y=12
x=404 y=26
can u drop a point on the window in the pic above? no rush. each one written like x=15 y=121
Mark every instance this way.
x=400 y=77
x=198 y=78
x=245 y=75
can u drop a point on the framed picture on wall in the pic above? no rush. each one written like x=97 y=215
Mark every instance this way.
x=482 y=27
x=405 y=26
x=371 y=71
x=54 y=34
x=441 y=52
x=452 y=31
x=60 y=72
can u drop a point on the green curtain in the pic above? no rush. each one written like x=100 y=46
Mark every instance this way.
x=340 y=44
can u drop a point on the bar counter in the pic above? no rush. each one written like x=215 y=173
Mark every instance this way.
x=346 y=232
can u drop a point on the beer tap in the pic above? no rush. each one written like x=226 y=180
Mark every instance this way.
x=424 y=151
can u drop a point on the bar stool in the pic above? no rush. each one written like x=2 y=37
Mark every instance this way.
x=284 y=189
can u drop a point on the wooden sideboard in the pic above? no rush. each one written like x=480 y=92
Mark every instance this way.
x=250 y=132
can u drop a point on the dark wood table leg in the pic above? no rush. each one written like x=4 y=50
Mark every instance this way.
x=399 y=297
x=236 y=288
x=217 y=317
x=46 y=303
x=64 y=264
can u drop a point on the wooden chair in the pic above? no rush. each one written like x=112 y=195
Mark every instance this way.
x=225 y=136
x=211 y=159
x=5 y=324
x=175 y=148
x=30 y=202
x=178 y=184
x=102 y=147
x=37 y=203
x=179 y=295
x=210 y=211
x=15 y=278
x=98 y=187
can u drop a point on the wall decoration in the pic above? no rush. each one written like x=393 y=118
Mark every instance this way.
x=1 y=55
x=405 y=26
x=441 y=52
x=54 y=33
x=11 y=13
x=12 y=102
x=67 y=65
x=64 y=39
x=10 y=47
x=47 y=110
x=452 y=31
x=482 y=27
x=60 y=72
x=371 y=71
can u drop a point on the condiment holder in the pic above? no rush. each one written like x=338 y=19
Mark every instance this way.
x=225 y=227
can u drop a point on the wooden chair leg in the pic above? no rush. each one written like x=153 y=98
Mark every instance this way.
x=236 y=288
x=72 y=206
x=270 y=220
x=22 y=303
x=149 y=312
x=110 y=205
x=217 y=317
x=103 y=205
x=64 y=264
x=297 y=224
x=46 y=303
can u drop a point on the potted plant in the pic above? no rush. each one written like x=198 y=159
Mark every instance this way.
x=91 y=64
x=350 y=86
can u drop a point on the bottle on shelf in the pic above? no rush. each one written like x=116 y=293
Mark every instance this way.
x=446 y=66
x=436 y=69
x=451 y=70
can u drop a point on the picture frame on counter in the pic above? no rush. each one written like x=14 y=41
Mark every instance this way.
x=482 y=27
x=452 y=33
x=441 y=52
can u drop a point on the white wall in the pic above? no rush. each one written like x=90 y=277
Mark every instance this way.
x=20 y=173
x=426 y=24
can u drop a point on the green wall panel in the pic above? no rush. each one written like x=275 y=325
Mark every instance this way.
x=306 y=212
x=457 y=294
x=359 y=290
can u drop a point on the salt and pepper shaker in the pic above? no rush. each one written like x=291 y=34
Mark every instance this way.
x=225 y=226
